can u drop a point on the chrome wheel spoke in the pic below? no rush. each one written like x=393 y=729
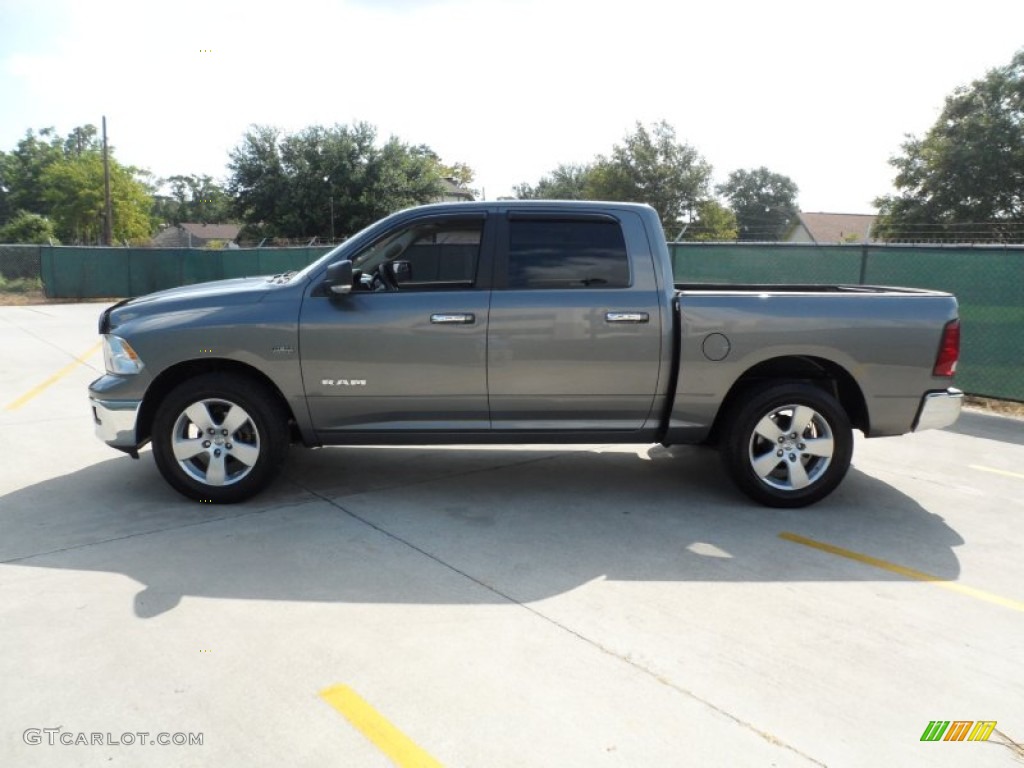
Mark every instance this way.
x=768 y=429
x=234 y=419
x=763 y=465
x=245 y=453
x=819 y=446
x=797 y=475
x=802 y=416
x=216 y=473
x=199 y=415
x=187 y=448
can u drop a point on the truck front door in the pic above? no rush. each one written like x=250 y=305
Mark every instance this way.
x=405 y=351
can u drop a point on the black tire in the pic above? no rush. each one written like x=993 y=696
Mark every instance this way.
x=795 y=471
x=243 y=453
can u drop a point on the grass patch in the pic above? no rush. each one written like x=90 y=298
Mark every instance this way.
x=20 y=284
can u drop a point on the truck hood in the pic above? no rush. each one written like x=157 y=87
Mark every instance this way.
x=219 y=293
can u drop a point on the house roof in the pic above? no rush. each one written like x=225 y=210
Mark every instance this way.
x=452 y=190
x=212 y=231
x=837 y=227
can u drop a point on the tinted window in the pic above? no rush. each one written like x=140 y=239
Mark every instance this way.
x=443 y=255
x=567 y=254
x=438 y=255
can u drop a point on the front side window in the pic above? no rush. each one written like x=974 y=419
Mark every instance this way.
x=566 y=254
x=427 y=255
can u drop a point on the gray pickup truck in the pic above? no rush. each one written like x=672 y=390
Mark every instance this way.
x=519 y=322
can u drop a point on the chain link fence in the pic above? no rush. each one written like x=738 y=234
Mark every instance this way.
x=20 y=262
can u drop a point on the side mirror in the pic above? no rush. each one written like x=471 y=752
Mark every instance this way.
x=339 y=277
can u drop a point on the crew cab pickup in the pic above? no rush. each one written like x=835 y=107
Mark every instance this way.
x=520 y=322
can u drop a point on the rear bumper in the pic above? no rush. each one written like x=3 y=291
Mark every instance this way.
x=115 y=422
x=939 y=409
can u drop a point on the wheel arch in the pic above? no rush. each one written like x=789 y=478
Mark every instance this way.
x=174 y=375
x=820 y=372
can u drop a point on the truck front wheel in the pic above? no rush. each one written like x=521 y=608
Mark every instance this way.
x=788 y=446
x=219 y=438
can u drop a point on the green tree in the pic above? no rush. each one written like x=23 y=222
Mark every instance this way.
x=61 y=178
x=764 y=203
x=566 y=182
x=965 y=178
x=458 y=172
x=25 y=227
x=25 y=167
x=649 y=166
x=653 y=167
x=6 y=211
x=192 y=198
x=295 y=185
x=713 y=221
x=73 y=192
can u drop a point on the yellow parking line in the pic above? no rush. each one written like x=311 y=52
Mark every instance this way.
x=1018 y=475
x=910 y=573
x=402 y=751
x=81 y=360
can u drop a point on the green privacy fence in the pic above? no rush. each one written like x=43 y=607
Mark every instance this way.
x=86 y=272
x=988 y=282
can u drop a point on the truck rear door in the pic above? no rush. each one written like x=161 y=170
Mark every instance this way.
x=574 y=341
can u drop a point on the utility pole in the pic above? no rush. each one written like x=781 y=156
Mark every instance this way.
x=108 y=216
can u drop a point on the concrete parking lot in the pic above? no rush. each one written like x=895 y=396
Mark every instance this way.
x=536 y=606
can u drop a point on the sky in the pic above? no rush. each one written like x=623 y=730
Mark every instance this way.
x=823 y=92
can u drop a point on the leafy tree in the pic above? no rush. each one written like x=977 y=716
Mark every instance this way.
x=5 y=191
x=566 y=182
x=653 y=167
x=192 y=198
x=649 y=166
x=294 y=185
x=25 y=227
x=73 y=191
x=25 y=166
x=966 y=176
x=61 y=178
x=713 y=221
x=460 y=173
x=764 y=203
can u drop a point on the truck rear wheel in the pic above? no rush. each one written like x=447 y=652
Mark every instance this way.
x=219 y=438
x=788 y=446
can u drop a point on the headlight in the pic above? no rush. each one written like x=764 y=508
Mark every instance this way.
x=118 y=355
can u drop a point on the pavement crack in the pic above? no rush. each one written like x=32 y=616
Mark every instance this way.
x=152 y=531
x=648 y=672
x=46 y=341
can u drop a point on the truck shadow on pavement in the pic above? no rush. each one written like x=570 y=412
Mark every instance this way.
x=458 y=526
x=989 y=426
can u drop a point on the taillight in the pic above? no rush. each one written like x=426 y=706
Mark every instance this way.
x=949 y=350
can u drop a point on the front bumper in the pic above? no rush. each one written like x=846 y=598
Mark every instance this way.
x=115 y=422
x=939 y=409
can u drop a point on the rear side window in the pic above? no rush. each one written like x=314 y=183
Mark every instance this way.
x=566 y=254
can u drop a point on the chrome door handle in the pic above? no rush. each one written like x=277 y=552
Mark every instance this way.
x=453 y=318
x=627 y=317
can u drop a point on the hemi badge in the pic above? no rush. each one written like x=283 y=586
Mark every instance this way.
x=282 y=349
